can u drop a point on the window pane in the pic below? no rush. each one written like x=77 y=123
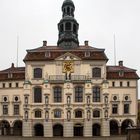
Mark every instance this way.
x=16 y=109
x=96 y=113
x=126 y=108
x=38 y=114
x=57 y=94
x=96 y=94
x=79 y=94
x=78 y=114
x=37 y=95
x=37 y=73
x=114 y=108
x=96 y=72
x=57 y=113
x=5 y=109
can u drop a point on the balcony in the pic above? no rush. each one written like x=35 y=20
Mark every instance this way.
x=63 y=78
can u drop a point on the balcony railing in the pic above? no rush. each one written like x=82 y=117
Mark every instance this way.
x=60 y=78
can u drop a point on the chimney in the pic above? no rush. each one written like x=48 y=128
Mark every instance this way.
x=44 y=43
x=86 y=43
x=120 y=63
x=12 y=65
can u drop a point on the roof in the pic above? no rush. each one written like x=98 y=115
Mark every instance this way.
x=121 y=72
x=12 y=73
x=38 y=54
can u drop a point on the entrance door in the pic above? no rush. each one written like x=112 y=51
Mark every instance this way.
x=78 y=130
x=96 y=130
x=58 y=130
x=39 y=130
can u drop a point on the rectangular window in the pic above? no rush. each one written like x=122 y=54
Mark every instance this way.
x=16 y=109
x=121 y=84
x=5 y=109
x=57 y=114
x=113 y=84
x=17 y=84
x=96 y=94
x=128 y=84
x=115 y=109
x=10 y=85
x=126 y=108
x=3 y=85
x=37 y=95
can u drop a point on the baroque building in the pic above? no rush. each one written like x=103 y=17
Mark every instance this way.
x=67 y=90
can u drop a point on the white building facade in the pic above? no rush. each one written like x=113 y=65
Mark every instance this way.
x=67 y=90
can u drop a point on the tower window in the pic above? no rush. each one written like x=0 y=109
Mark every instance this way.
x=61 y=28
x=68 y=26
x=74 y=28
x=68 y=11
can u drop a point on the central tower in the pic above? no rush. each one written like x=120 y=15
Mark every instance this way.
x=68 y=27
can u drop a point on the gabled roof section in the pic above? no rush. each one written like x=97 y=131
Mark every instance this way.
x=68 y=56
x=39 y=54
x=12 y=73
x=121 y=72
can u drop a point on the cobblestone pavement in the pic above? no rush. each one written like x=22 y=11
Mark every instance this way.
x=60 y=138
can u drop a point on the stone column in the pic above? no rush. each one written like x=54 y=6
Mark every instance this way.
x=119 y=130
x=0 y=131
x=11 y=131
x=27 y=128
x=68 y=128
x=48 y=129
x=88 y=128
x=105 y=128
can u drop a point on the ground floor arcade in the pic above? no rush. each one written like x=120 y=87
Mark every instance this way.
x=64 y=129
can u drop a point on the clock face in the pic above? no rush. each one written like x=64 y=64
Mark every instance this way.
x=68 y=66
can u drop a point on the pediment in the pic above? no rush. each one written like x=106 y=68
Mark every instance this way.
x=68 y=56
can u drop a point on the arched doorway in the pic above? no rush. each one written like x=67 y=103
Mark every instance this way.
x=78 y=130
x=39 y=130
x=96 y=130
x=17 y=128
x=58 y=130
x=125 y=125
x=5 y=127
x=114 y=129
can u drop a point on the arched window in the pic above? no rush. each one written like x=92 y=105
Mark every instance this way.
x=68 y=26
x=78 y=94
x=74 y=28
x=68 y=10
x=57 y=113
x=78 y=114
x=96 y=94
x=37 y=114
x=96 y=113
x=57 y=94
x=61 y=28
x=96 y=73
x=37 y=95
x=37 y=73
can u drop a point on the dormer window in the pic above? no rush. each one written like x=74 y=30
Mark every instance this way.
x=47 y=54
x=87 y=54
x=121 y=73
x=10 y=75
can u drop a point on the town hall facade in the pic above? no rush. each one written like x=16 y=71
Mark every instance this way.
x=67 y=90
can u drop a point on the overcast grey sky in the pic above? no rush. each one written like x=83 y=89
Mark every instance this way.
x=36 y=20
